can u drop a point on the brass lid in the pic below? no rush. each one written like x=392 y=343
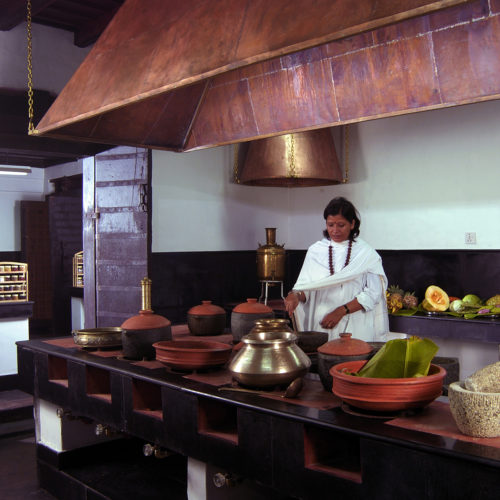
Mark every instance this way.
x=345 y=346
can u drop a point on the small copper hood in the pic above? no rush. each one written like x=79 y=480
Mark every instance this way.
x=163 y=73
x=302 y=159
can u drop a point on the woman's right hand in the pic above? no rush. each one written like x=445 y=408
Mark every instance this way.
x=291 y=302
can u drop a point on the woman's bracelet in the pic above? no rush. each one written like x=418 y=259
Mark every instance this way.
x=346 y=309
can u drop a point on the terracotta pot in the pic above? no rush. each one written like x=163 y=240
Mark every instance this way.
x=340 y=350
x=385 y=394
x=141 y=331
x=192 y=354
x=244 y=315
x=269 y=359
x=206 y=319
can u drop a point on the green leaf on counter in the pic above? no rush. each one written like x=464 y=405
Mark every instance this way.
x=401 y=358
x=405 y=312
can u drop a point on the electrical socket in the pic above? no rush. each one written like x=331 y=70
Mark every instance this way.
x=470 y=238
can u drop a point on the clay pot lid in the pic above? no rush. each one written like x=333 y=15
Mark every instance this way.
x=252 y=306
x=346 y=346
x=206 y=308
x=145 y=320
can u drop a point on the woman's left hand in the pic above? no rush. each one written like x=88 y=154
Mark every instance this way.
x=332 y=318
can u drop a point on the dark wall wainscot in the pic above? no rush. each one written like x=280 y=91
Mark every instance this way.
x=183 y=279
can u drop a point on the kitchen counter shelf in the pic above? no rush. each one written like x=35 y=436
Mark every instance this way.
x=447 y=327
x=280 y=443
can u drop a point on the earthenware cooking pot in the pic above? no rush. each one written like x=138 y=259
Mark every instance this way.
x=269 y=359
x=141 y=331
x=243 y=317
x=206 y=319
x=345 y=348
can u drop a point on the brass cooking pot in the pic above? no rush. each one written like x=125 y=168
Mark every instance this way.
x=98 y=337
x=269 y=359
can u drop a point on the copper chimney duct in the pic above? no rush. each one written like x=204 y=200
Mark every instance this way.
x=302 y=159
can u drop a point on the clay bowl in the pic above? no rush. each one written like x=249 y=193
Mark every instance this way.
x=192 y=354
x=385 y=394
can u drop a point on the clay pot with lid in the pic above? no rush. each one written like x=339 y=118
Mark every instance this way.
x=345 y=348
x=206 y=319
x=243 y=317
x=140 y=332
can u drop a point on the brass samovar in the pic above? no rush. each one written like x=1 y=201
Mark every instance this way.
x=271 y=258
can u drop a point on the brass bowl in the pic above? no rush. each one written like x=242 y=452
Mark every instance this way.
x=98 y=337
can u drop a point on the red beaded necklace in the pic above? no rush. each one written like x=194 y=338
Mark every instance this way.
x=330 y=257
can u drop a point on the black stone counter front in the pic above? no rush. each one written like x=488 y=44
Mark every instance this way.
x=310 y=448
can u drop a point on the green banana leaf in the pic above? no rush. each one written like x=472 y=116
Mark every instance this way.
x=401 y=358
x=405 y=312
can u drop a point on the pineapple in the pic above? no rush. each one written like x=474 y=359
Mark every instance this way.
x=409 y=300
x=395 y=293
x=394 y=297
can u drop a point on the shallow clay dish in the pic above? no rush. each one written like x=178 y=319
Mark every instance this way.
x=192 y=354
x=385 y=394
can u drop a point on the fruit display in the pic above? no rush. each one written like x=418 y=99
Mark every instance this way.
x=436 y=299
x=398 y=299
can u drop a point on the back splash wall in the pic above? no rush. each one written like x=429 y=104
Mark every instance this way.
x=183 y=279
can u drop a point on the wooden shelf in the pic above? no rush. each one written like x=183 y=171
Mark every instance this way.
x=332 y=453
x=13 y=282
x=146 y=399
x=218 y=420
x=447 y=327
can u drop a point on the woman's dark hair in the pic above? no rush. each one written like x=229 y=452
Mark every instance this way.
x=341 y=206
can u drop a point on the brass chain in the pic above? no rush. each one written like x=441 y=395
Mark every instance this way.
x=292 y=171
x=31 y=127
x=236 y=178
x=346 y=154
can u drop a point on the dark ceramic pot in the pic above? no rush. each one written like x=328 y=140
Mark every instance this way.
x=206 y=319
x=140 y=332
x=311 y=340
x=243 y=317
x=338 y=351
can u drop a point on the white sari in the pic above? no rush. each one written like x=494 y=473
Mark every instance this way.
x=363 y=278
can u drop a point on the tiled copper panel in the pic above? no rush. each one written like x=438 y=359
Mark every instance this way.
x=403 y=68
x=468 y=60
x=153 y=47
x=386 y=79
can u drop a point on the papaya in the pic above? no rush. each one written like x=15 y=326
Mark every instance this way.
x=436 y=299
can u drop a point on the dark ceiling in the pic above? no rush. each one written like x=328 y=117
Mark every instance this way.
x=86 y=19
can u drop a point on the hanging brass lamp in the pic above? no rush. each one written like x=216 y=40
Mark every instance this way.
x=301 y=159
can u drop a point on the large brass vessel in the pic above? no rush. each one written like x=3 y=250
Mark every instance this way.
x=271 y=258
x=269 y=359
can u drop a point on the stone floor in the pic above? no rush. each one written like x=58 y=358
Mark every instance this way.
x=18 y=476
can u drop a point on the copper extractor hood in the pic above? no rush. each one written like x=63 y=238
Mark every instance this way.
x=302 y=159
x=145 y=80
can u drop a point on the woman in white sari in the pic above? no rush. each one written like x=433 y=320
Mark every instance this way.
x=342 y=284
